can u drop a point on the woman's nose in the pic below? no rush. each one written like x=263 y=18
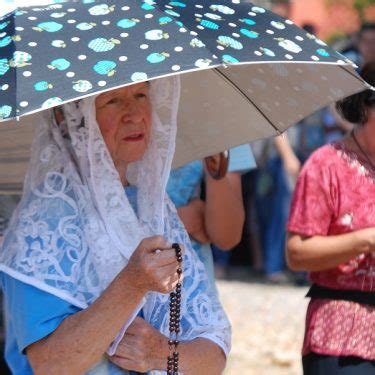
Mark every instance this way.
x=133 y=112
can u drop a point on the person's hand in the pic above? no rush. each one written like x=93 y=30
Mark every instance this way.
x=153 y=266
x=143 y=348
x=367 y=238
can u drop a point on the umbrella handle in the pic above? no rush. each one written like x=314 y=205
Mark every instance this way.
x=217 y=167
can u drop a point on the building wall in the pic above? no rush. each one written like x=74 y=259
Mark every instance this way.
x=328 y=20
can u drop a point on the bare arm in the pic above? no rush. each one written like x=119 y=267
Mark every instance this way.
x=318 y=253
x=82 y=339
x=143 y=348
x=225 y=213
x=192 y=216
x=201 y=357
x=290 y=161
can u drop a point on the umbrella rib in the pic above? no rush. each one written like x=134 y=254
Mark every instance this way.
x=351 y=73
x=241 y=92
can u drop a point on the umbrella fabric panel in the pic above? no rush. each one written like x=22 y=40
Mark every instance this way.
x=53 y=54
x=210 y=121
x=287 y=93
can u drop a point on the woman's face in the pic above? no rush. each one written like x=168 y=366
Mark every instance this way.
x=124 y=118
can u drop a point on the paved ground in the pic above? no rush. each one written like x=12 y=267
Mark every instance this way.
x=268 y=324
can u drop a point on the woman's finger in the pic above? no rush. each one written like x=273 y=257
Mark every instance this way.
x=169 y=270
x=150 y=244
x=169 y=277
x=164 y=257
x=127 y=348
x=125 y=363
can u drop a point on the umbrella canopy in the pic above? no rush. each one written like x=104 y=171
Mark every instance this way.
x=248 y=73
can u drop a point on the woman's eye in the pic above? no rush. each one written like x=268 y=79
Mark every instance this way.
x=142 y=95
x=113 y=101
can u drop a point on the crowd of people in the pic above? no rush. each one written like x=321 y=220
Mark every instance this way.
x=311 y=189
x=268 y=188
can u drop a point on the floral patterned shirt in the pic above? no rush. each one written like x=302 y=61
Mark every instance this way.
x=335 y=194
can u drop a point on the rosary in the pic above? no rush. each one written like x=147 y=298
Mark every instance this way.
x=174 y=317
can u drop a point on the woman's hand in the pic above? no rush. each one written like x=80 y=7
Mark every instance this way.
x=152 y=267
x=367 y=239
x=143 y=348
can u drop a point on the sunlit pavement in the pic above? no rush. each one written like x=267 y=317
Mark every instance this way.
x=268 y=324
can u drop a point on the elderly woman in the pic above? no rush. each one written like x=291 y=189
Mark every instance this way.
x=87 y=261
x=332 y=235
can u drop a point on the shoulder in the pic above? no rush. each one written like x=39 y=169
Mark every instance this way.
x=323 y=159
x=322 y=153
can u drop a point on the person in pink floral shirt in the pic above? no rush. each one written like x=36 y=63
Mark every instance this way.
x=332 y=235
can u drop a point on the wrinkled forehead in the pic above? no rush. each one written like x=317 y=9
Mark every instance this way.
x=126 y=89
x=164 y=96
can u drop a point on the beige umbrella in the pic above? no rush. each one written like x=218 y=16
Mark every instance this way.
x=277 y=96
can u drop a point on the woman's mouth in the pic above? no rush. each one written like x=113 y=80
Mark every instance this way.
x=134 y=137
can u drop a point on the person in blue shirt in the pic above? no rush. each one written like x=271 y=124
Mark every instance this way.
x=219 y=218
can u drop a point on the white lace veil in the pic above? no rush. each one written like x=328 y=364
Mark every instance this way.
x=75 y=229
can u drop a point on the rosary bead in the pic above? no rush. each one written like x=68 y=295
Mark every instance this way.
x=178 y=286
x=170 y=343
x=176 y=342
x=179 y=270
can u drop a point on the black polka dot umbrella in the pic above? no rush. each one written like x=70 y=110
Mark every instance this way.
x=244 y=67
